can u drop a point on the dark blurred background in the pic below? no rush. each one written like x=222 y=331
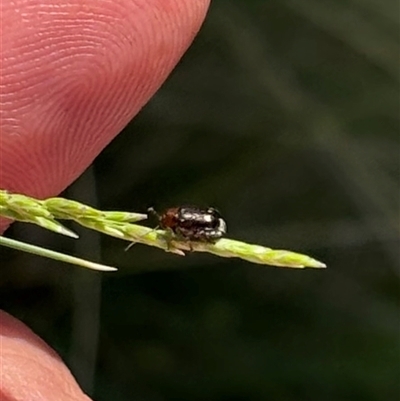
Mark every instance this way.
x=284 y=114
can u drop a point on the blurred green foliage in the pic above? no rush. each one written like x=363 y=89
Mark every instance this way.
x=284 y=115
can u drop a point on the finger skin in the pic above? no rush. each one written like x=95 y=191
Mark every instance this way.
x=72 y=75
x=30 y=370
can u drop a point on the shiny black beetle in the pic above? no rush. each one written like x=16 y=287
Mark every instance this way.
x=191 y=223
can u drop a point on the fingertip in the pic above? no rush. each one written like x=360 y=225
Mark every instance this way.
x=30 y=369
x=75 y=74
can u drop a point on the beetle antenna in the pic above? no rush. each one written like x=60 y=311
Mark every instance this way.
x=151 y=211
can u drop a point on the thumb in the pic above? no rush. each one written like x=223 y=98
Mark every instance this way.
x=72 y=76
x=30 y=370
